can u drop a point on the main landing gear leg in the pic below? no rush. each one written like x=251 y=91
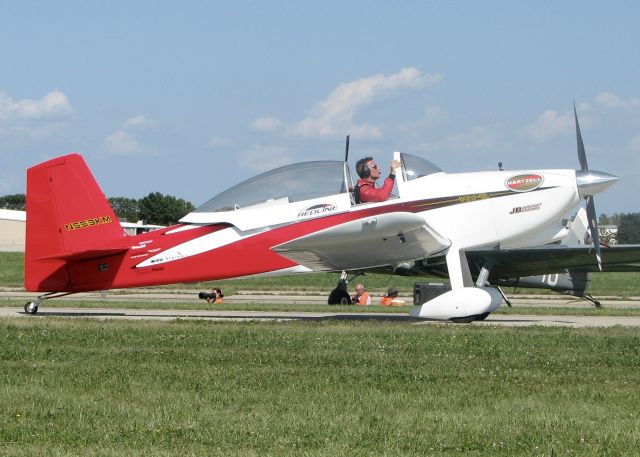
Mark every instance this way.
x=483 y=279
x=340 y=295
x=504 y=297
x=592 y=300
x=32 y=306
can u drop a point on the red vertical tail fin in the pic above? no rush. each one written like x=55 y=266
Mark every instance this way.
x=67 y=214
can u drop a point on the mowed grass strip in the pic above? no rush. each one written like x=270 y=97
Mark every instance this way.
x=84 y=387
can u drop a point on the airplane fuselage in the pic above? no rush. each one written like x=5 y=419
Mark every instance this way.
x=298 y=219
x=303 y=217
x=506 y=208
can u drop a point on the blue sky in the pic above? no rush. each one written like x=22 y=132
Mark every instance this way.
x=188 y=98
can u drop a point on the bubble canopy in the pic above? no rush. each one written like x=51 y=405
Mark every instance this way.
x=300 y=182
x=414 y=167
x=291 y=183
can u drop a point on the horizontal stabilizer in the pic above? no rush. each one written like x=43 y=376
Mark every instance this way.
x=84 y=255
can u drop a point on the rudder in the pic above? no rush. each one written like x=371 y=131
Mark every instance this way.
x=67 y=214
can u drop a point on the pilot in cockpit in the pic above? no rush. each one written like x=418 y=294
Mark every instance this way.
x=365 y=190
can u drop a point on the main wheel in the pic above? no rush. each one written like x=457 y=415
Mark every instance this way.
x=469 y=319
x=30 y=308
x=463 y=320
x=339 y=297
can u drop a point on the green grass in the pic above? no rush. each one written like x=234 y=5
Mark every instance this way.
x=11 y=269
x=618 y=284
x=81 y=387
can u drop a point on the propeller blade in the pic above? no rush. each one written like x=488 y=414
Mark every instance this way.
x=346 y=150
x=593 y=229
x=582 y=156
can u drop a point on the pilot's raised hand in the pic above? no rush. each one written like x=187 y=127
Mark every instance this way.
x=394 y=164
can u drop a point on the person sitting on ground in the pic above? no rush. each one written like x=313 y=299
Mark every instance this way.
x=217 y=299
x=391 y=298
x=361 y=297
x=365 y=190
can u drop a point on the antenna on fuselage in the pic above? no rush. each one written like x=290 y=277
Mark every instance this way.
x=346 y=150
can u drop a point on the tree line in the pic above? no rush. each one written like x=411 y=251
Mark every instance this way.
x=159 y=209
x=155 y=208
x=628 y=228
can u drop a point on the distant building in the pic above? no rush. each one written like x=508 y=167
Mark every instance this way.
x=13 y=225
x=136 y=229
x=12 y=230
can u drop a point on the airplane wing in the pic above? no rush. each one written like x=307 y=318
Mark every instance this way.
x=381 y=240
x=541 y=260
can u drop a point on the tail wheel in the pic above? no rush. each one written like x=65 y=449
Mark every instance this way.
x=30 y=307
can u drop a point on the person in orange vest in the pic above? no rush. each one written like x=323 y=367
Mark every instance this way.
x=391 y=298
x=361 y=297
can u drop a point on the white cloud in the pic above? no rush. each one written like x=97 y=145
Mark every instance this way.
x=364 y=131
x=609 y=100
x=34 y=119
x=454 y=148
x=217 y=142
x=335 y=114
x=53 y=105
x=266 y=124
x=122 y=143
x=477 y=137
x=583 y=106
x=262 y=158
x=139 y=121
x=548 y=125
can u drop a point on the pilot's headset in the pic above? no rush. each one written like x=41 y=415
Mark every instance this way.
x=362 y=168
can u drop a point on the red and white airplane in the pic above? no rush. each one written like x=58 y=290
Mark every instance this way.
x=302 y=218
